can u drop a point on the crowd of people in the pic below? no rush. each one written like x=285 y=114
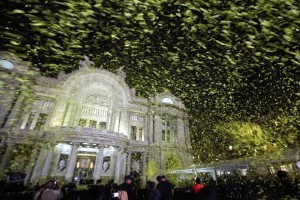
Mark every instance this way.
x=231 y=187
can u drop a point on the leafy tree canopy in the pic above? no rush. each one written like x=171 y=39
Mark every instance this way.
x=227 y=60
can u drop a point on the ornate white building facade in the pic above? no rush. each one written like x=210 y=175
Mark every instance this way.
x=86 y=125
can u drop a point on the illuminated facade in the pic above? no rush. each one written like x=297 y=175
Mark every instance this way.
x=86 y=125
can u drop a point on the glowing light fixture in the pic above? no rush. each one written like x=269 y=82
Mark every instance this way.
x=167 y=100
x=6 y=64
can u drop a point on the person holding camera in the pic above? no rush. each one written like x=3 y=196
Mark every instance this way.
x=126 y=188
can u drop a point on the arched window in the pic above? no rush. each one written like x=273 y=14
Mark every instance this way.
x=169 y=129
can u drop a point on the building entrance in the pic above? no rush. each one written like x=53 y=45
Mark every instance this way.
x=85 y=165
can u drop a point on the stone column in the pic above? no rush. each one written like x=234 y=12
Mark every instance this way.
x=24 y=122
x=98 y=164
x=163 y=159
x=6 y=157
x=144 y=168
x=13 y=113
x=188 y=138
x=124 y=122
x=50 y=107
x=68 y=115
x=72 y=163
x=151 y=123
x=118 y=166
x=180 y=132
x=157 y=129
x=30 y=167
x=75 y=116
x=48 y=161
x=123 y=167
x=112 y=120
x=146 y=134
x=108 y=119
x=58 y=112
x=36 y=173
x=128 y=162
x=117 y=121
x=35 y=119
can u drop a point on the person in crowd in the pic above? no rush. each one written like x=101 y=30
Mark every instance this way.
x=127 y=186
x=50 y=191
x=96 y=192
x=164 y=188
x=196 y=185
x=123 y=195
x=69 y=191
x=286 y=182
x=151 y=192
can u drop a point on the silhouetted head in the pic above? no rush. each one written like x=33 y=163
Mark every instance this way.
x=128 y=179
x=49 y=184
x=151 y=185
x=163 y=178
x=198 y=181
x=158 y=178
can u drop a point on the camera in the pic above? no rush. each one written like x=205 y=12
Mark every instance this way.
x=115 y=194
